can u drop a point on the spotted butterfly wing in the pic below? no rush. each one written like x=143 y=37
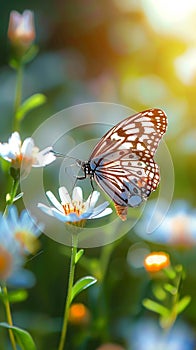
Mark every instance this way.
x=122 y=162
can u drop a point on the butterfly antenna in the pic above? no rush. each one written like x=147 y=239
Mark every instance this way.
x=58 y=154
x=76 y=179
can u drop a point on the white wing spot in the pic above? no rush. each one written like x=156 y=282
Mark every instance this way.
x=140 y=147
x=132 y=131
x=116 y=137
x=126 y=145
x=132 y=138
x=148 y=130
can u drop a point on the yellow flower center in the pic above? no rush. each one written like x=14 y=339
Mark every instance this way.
x=27 y=241
x=75 y=207
x=20 y=159
x=5 y=263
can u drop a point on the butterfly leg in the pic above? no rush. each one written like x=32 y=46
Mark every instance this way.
x=92 y=185
x=81 y=177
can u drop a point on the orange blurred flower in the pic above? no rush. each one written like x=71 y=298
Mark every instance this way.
x=6 y=262
x=21 y=29
x=156 y=261
x=79 y=314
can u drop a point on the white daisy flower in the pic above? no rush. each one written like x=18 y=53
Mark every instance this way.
x=75 y=209
x=26 y=153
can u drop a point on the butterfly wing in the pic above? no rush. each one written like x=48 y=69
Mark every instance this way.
x=145 y=127
x=123 y=162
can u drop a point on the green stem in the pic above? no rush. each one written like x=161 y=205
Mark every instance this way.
x=18 y=96
x=70 y=285
x=12 y=194
x=9 y=317
x=175 y=300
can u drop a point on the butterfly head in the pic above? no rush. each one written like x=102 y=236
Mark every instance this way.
x=86 y=168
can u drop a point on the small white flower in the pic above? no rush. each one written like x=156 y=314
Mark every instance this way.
x=75 y=209
x=25 y=153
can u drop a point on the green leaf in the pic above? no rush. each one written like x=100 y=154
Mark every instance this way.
x=79 y=255
x=17 y=296
x=14 y=296
x=182 y=304
x=170 y=288
x=23 y=338
x=5 y=165
x=159 y=292
x=155 y=307
x=32 y=102
x=82 y=284
x=170 y=273
x=179 y=268
x=180 y=271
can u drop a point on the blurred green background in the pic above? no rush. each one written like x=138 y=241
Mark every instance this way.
x=138 y=53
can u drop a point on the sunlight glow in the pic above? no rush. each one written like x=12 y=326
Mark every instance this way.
x=185 y=66
x=166 y=15
x=172 y=11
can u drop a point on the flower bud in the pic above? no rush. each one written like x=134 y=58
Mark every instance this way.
x=21 y=29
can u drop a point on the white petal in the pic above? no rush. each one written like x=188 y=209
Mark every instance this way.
x=44 y=157
x=54 y=201
x=15 y=139
x=5 y=152
x=92 y=199
x=27 y=147
x=98 y=210
x=52 y=212
x=45 y=209
x=28 y=20
x=64 y=195
x=15 y=143
x=105 y=212
x=11 y=149
x=66 y=218
x=77 y=194
x=15 y=19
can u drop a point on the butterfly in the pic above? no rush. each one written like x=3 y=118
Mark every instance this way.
x=122 y=162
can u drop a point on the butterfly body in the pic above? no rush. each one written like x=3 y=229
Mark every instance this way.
x=122 y=162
